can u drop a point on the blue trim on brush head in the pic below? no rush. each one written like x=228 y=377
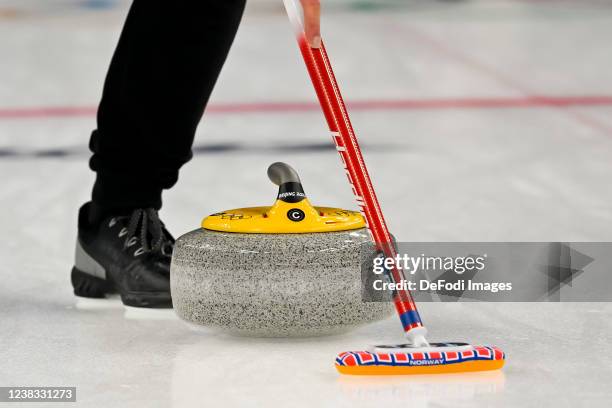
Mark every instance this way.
x=409 y=318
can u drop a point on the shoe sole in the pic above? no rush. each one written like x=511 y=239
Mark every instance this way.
x=89 y=286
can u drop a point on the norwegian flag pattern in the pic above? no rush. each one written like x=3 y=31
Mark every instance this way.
x=366 y=358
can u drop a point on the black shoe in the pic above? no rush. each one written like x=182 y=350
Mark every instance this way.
x=129 y=255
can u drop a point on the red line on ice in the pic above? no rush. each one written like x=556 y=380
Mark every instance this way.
x=390 y=104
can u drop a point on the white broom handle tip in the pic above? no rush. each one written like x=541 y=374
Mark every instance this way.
x=294 y=16
x=417 y=336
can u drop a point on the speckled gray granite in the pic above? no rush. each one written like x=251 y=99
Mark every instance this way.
x=273 y=285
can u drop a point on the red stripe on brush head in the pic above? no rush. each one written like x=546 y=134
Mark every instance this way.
x=384 y=357
x=365 y=357
x=350 y=360
x=401 y=357
x=451 y=355
x=417 y=356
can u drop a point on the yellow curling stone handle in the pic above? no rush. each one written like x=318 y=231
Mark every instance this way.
x=292 y=213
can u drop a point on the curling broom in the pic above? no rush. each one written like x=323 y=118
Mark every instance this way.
x=418 y=356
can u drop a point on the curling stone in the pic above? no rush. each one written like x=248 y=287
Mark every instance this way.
x=282 y=271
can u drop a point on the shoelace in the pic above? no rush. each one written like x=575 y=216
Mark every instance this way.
x=150 y=225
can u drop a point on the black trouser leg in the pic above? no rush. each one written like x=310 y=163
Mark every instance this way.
x=162 y=73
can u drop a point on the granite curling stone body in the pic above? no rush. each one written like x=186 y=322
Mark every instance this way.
x=287 y=270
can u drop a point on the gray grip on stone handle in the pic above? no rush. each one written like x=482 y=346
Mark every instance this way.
x=281 y=173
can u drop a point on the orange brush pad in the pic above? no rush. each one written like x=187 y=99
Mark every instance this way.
x=478 y=358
